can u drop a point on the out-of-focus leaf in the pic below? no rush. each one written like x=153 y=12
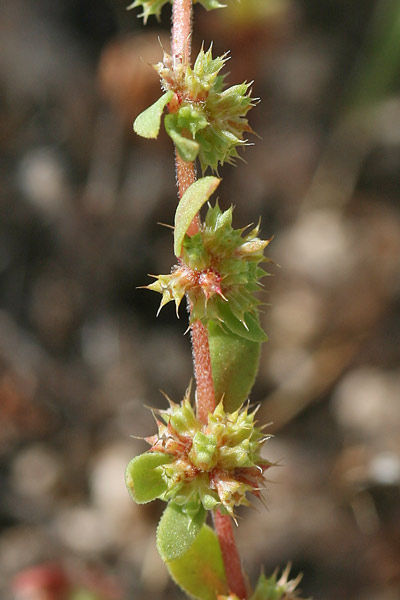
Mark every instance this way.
x=211 y=4
x=379 y=63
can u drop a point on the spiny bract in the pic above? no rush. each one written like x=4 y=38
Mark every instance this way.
x=219 y=271
x=210 y=465
x=153 y=7
x=272 y=588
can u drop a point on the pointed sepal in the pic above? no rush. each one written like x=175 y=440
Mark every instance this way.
x=149 y=7
x=274 y=588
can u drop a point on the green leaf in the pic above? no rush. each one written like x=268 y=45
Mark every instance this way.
x=211 y=4
x=177 y=531
x=147 y=124
x=253 y=332
x=200 y=571
x=192 y=200
x=188 y=149
x=144 y=476
x=234 y=363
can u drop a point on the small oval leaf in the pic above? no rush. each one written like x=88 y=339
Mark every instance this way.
x=200 y=571
x=234 y=364
x=147 y=124
x=144 y=476
x=191 y=202
x=253 y=332
x=177 y=531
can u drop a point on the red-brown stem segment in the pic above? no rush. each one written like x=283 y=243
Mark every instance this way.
x=205 y=398
x=230 y=554
x=185 y=176
x=181 y=31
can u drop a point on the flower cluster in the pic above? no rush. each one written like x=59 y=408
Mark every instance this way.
x=219 y=271
x=210 y=465
x=213 y=118
x=206 y=120
x=153 y=7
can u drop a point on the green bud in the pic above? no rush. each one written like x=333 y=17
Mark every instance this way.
x=204 y=451
x=182 y=418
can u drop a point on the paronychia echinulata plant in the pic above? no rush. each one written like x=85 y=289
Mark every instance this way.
x=207 y=458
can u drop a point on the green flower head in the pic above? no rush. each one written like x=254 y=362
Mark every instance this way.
x=219 y=270
x=210 y=465
x=206 y=120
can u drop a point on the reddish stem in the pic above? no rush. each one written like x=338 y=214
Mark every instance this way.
x=230 y=554
x=205 y=397
x=181 y=31
x=185 y=176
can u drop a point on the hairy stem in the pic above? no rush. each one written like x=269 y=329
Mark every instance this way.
x=230 y=554
x=185 y=176
x=181 y=31
x=205 y=397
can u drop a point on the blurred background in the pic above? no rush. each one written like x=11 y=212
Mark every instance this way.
x=81 y=350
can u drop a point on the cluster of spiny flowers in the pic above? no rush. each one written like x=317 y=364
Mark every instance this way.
x=210 y=465
x=219 y=270
x=206 y=120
